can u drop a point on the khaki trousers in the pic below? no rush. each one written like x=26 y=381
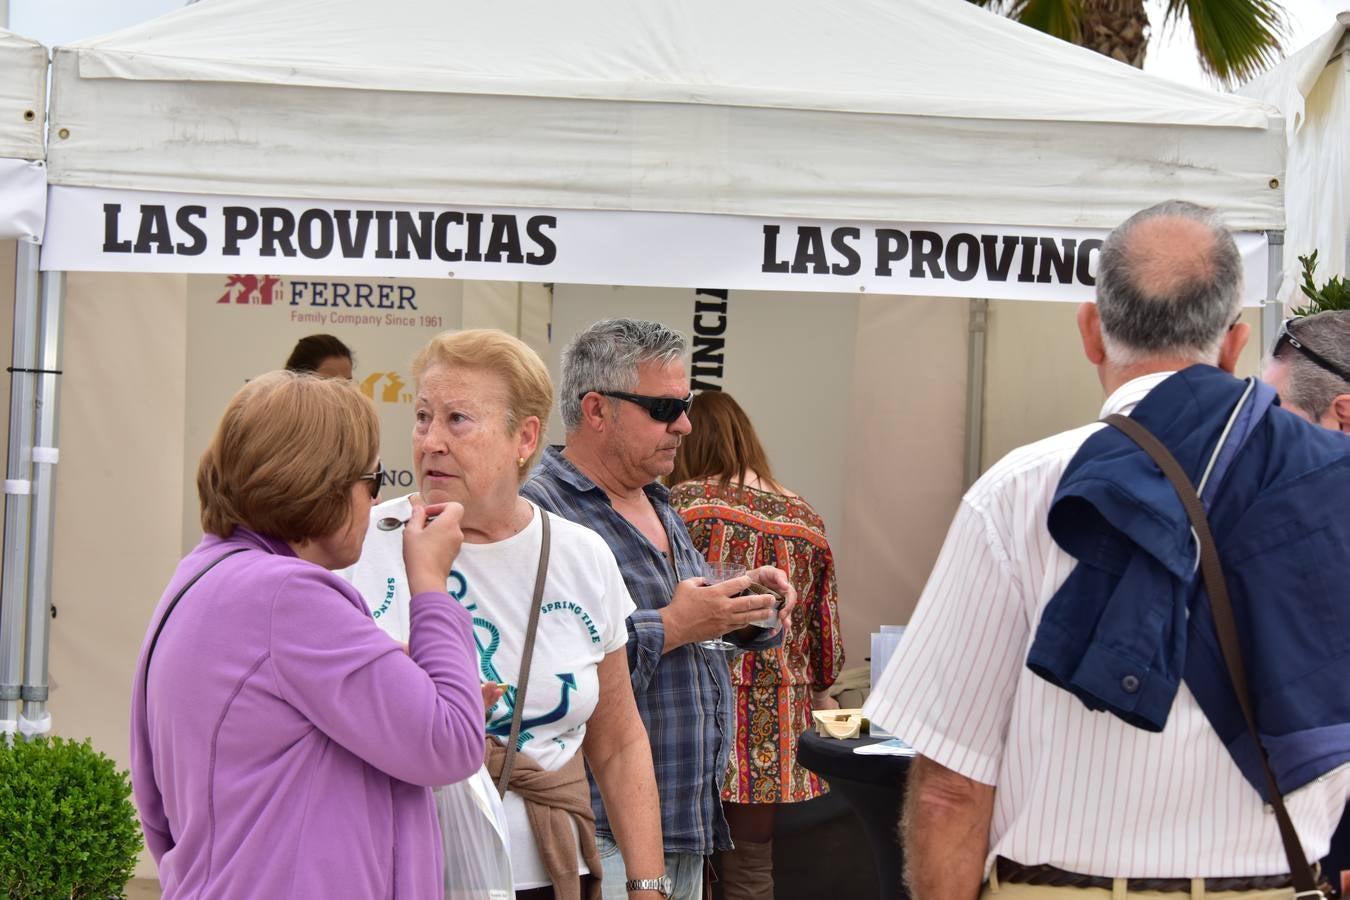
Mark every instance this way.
x=994 y=889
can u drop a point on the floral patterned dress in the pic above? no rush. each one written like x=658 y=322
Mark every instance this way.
x=773 y=687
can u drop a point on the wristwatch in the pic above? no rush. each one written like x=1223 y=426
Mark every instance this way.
x=663 y=885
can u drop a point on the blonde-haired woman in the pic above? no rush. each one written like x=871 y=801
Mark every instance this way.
x=264 y=757
x=738 y=513
x=482 y=401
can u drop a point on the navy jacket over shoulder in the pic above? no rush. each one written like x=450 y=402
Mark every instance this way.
x=1132 y=619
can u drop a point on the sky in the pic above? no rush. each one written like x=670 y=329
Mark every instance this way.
x=1171 y=54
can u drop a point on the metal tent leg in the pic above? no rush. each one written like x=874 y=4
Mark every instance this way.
x=975 y=354
x=1272 y=311
x=35 y=719
x=18 y=484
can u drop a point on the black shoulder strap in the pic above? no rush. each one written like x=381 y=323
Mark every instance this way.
x=1226 y=625
x=168 y=611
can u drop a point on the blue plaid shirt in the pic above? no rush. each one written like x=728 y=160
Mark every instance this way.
x=684 y=697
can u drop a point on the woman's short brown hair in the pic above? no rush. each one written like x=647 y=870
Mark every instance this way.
x=722 y=444
x=529 y=389
x=285 y=455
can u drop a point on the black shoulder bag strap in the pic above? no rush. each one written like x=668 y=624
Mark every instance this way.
x=168 y=611
x=526 y=655
x=1305 y=883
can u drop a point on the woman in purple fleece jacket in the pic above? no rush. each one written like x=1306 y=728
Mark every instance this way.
x=282 y=745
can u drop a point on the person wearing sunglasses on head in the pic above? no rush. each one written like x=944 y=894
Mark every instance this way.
x=281 y=744
x=1309 y=366
x=624 y=396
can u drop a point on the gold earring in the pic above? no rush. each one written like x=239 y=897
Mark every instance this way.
x=520 y=463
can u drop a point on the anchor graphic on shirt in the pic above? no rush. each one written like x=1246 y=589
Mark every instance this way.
x=458 y=587
x=501 y=725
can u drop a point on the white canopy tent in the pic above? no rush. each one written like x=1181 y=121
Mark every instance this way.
x=924 y=147
x=630 y=143
x=1312 y=89
x=23 y=200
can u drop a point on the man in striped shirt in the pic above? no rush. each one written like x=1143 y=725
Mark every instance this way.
x=624 y=393
x=1016 y=774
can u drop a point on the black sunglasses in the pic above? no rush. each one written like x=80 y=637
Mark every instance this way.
x=376 y=479
x=662 y=409
x=1285 y=336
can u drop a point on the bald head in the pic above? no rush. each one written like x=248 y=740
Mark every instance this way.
x=1168 y=284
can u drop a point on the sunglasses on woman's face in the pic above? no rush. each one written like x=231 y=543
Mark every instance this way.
x=376 y=479
x=1285 y=336
x=662 y=409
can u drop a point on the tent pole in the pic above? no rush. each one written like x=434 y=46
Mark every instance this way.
x=18 y=484
x=1272 y=311
x=37 y=638
x=975 y=351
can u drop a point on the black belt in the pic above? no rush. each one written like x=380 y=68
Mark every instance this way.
x=1051 y=876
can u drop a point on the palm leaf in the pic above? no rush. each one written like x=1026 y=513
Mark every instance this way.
x=1235 y=39
x=1060 y=18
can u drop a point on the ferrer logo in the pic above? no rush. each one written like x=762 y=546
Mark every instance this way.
x=254 y=290
x=326 y=303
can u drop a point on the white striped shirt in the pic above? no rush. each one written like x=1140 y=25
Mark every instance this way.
x=1076 y=789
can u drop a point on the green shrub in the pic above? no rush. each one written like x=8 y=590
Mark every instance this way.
x=69 y=828
x=1335 y=294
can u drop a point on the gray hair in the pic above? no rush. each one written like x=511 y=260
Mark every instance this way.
x=1180 y=311
x=1309 y=386
x=606 y=356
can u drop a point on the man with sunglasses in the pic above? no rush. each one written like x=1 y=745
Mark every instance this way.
x=1309 y=366
x=624 y=394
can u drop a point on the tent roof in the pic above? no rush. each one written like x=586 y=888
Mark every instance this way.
x=922 y=110
x=23 y=96
x=1312 y=88
x=1286 y=86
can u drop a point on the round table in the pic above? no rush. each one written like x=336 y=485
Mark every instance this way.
x=873 y=787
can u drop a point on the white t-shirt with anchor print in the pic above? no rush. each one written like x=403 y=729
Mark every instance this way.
x=581 y=620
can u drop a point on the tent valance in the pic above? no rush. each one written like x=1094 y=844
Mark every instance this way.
x=106 y=230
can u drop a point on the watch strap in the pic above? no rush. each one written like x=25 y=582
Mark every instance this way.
x=661 y=885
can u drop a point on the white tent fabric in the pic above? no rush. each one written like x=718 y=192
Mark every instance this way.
x=1312 y=88
x=870 y=110
x=23 y=105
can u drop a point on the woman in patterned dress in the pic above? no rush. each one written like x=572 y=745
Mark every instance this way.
x=737 y=512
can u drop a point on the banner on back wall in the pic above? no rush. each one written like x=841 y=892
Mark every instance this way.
x=95 y=229
x=239 y=326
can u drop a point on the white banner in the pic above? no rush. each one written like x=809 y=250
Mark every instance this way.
x=93 y=229
x=23 y=198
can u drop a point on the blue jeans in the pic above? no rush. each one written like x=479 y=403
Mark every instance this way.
x=684 y=869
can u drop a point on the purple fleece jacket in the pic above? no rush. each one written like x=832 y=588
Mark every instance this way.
x=288 y=747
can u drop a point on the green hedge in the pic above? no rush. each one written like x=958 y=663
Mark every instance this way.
x=69 y=827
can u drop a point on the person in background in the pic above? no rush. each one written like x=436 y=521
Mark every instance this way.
x=482 y=402
x=281 y=744
x=625 y=394
x=322 y=354
x=1309 y=367
x=736 y=512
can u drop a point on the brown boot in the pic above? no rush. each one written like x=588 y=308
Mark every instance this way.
x=747 y=871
